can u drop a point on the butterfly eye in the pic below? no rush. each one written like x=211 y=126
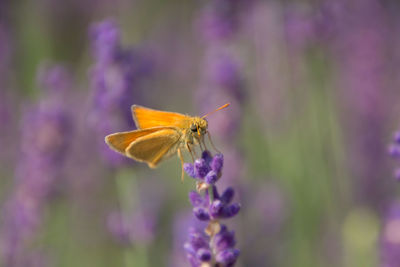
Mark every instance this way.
x=193 y=128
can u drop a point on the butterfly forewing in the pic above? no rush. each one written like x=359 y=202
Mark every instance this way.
x=120 y=141
x=155 y=147
x=147 y=118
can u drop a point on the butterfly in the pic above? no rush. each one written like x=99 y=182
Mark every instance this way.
x=160 y=135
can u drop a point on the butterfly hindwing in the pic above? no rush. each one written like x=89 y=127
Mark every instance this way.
x=155 y=147
x=120 y=141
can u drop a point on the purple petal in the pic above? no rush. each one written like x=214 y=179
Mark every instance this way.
x=189 y=169
x=216 y=208
x=227 y=196
x=201 y=214
x=211 y=177
x=215 y=192
x=228 y=256
x=201 y=168
x=198 y=240
x=224 y=240
x=206 y=155
x=195 y=198
x=396 y=137
x=203 y=255
x=189 y=248
x=231 y=210
x=217 y=163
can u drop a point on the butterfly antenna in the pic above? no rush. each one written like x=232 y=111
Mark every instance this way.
x=222 y=107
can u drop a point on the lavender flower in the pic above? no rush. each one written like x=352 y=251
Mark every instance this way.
x=115 y=79
x=220 y=19
x=216 y=243
x=218 y=208
x=46 y=135
x=300 y=28
x=184 y=220
x=223 y=80
x=207 y=169
x=200 y=248
x=359 y=48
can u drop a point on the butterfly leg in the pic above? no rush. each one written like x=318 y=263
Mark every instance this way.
x=190 y=151
x=212 y=144
x=181 y=158
x=201 y=145
x=204 y=144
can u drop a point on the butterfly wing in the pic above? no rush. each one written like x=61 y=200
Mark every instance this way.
x=155 y=147
x=120 y=141
x=147 y=118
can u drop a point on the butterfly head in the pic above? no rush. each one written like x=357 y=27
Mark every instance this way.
x=198 y=127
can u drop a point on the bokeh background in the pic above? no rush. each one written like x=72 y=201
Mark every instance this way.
x=314 y=93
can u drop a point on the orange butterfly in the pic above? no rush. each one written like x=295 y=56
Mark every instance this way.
x=160 y=135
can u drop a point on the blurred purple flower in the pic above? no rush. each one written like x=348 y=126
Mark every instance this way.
x=220 y=19
x=46 y=134
x=390 y=238
x=54 y=78
x=224 y=82
x=359 y=47
x=115 y=80
x=138 y=225
x=394 y=152
x=105 y=39
x=225 y=73
x=299 y=27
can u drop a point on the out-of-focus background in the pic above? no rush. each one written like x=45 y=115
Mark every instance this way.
x=314 y=92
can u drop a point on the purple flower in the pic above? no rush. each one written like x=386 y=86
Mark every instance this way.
x=207 y=169
x=300 y=28
x=105 y=39
x=216 y=243
x=184 y=224
x=46 y=132
x=220 y=19
x=219 y=208
x=115 y=80
x=200 y=247
x=359 y=48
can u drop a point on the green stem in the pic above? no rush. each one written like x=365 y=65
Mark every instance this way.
x=129 y=201
x=211 y=193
